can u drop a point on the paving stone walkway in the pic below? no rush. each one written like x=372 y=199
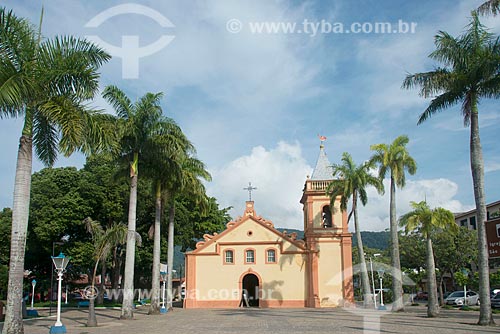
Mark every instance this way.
x=288 y=321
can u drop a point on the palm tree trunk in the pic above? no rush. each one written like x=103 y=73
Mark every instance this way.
x=441 y=279
x=102 y=287
x=20 y=212
x=154 y=308
x=397 y=279
x=477 y=167
x=92 y=320
x=432 y=302
x=170 y=253
x=128 y=286
x=365 y=281
x=115 y=273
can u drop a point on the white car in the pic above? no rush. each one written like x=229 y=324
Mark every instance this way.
x=457 y=298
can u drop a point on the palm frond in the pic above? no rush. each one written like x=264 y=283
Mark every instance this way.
x=119 y=101
x=489 y=7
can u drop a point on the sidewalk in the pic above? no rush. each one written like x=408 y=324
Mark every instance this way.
x=251 y=320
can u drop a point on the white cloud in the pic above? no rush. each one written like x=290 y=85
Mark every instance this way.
x=278 y=173
x=491 y=166
x=437 y=192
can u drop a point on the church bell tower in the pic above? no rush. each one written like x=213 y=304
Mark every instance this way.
x=329 y=265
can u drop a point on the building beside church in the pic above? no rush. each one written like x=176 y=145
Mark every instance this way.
x=252 y=262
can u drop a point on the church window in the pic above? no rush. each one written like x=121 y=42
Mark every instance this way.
x=326 y=217
x=249 y=256
x=271 y=256
x=229 y=257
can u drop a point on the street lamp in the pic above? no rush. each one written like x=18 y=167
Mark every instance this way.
x=466 y=274
x=33 y=283
x=60 y=262
x=373 y=280
x=381 y=272
x=163 y=274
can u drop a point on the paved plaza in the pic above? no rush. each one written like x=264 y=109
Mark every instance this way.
x=290 y=321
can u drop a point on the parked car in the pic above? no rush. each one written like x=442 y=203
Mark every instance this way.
x=495 y=301
x=422 y=295
x=494 y=292
x=457 y=298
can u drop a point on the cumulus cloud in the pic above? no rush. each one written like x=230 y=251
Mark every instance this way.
x=437 y=192
x=278 y=173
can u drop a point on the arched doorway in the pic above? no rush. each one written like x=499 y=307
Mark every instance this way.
x=250 y=284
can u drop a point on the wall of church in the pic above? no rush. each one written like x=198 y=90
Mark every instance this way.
x=330 y=275
x=219 y=284
x=281 y=284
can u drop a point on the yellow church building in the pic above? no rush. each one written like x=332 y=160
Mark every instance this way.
x=251 y=263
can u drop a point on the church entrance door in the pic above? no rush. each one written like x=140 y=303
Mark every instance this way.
x=251 y=287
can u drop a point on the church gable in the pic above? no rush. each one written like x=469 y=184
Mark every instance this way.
x=250 y=230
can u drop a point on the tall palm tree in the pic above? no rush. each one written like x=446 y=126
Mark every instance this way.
x=47 y=82
x=161 y=165
x=192 y=172
x=427 y=221
x=489 y=7
x=471 y=66
x=352 y=182
x=394 y=158
x=103 y=241
x=137 y=123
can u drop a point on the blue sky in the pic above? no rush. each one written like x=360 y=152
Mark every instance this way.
x=254 y=103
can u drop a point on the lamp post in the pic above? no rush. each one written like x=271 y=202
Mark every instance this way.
x=60 y=263
x=381 y=272
x=33 y=283
x=466 y=274
x=163 y=274
x=373 y=280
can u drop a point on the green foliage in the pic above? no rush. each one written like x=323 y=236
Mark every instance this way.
x=428 y=221
x=352 y=182
x=461 y=278
x=377 y=240
x=191 y=224
x=5 y=230
x=4 y=280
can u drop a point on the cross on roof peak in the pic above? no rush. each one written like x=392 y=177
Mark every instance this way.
x=249 y=189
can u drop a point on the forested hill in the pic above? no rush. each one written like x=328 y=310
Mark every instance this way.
x=379 y=240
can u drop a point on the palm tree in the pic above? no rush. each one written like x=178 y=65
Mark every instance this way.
x=47 y=82
x=103 y=241
x=352 y=182
x=470 y=72
x=428 y=221
x=137 y=123
x=192 y=172
x=489 y=7
x=161 y=165
x=396 y=159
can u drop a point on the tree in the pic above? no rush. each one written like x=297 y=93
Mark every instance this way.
x=48 y=83
x=394 y=158
x=137 y=123
x=5 y=226
x=470 y=72
x=489 y=7
x=103 y=241
x=427 y=221
x=162 y=166
x=352 y=183
x=192 y=172
x=453 y=250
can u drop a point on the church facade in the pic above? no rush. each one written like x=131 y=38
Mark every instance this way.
x=251 y=263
